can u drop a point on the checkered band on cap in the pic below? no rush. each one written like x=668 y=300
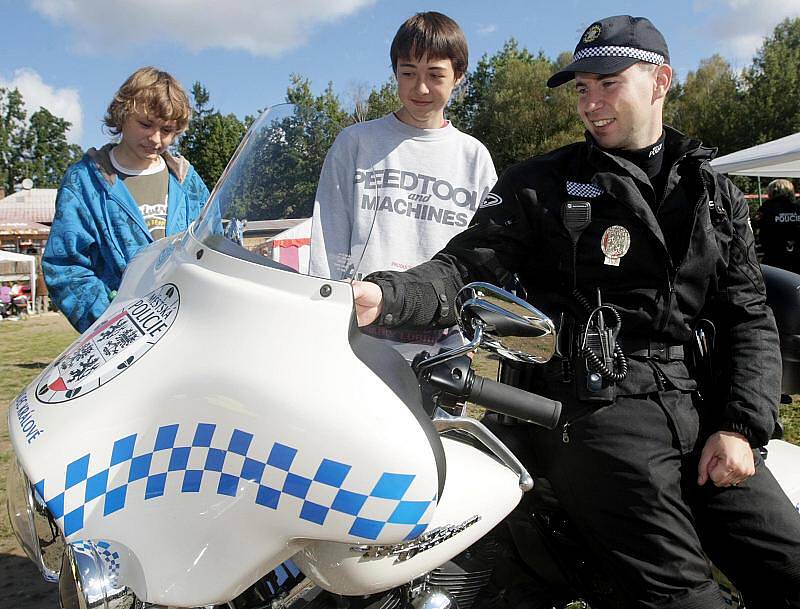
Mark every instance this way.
x=617 y=51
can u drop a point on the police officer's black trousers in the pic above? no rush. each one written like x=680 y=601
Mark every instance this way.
x=626 y=474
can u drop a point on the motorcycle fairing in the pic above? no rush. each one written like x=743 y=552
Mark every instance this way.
x=343 y=569
x=287 y=448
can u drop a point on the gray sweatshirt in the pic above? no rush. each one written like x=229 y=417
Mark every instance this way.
x=391 y=195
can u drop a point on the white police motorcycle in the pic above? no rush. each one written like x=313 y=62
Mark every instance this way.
x=281 y=458
x=168 y=459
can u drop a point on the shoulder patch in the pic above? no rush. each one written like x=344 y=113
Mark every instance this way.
x=491 y=200
x=579 y=189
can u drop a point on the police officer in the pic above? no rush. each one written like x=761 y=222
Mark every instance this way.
x=779 y=226
x=635 y=219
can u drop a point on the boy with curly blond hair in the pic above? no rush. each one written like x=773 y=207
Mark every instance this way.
x=122 y=197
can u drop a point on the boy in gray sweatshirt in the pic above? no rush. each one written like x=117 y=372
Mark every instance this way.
x=406 y=182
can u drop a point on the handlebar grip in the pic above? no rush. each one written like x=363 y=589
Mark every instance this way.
x=515 y=402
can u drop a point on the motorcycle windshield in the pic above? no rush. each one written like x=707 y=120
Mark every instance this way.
x=279 y=200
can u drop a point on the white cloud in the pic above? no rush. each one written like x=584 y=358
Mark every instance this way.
x=260 y=27
x=64 y=103
x=489 y=28
x=741 y=25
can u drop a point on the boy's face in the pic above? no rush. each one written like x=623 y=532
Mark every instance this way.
x=144 y=138
x=424 y=88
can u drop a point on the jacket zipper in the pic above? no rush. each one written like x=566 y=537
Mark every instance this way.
x=565 y=427
x=672 y=276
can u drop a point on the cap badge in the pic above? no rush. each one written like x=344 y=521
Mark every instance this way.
x=593 y=33
x=615 y=244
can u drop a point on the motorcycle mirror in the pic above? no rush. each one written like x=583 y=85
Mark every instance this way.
x=512 y=327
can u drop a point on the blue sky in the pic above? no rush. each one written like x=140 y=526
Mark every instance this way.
x=71 y=55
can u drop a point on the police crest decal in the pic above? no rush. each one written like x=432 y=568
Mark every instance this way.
x=119 y=339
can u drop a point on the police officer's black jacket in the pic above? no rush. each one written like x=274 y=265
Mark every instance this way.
x=695 y=258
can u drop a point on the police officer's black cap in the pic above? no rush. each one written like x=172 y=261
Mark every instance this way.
x=613 y=44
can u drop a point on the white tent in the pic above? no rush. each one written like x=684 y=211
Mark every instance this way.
x=30 y=260
x=292 y=246
x=776 y=159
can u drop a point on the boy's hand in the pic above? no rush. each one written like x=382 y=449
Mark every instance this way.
x=369 y=302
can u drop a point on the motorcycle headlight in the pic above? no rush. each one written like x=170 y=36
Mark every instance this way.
x=32 y=523
x=84 y=584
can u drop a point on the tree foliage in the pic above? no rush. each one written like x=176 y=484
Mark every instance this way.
x=377 y=103
x=772 y=109
x=48 y=152
x=508 y=106
x=34 y=148
x=706 y=105
x=211 y=138
x=279 y=178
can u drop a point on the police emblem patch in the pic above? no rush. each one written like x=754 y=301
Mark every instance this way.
x=125 y=333
x=592 y=33
x=615 y=243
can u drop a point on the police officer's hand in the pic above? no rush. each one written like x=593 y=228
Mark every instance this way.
x=726 y=460
x=369 y=302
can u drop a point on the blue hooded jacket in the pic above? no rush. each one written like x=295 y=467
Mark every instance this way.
x=98 y=228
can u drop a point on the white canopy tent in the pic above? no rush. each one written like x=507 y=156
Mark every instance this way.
x=23 y=258
x=776 y=159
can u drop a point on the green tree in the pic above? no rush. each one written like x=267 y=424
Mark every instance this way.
x=377 y=103
x=465 y=108
x=773 y=85
x=13 y=133
x=508 y=106
x=708 y=105
x=35 y=148
x=211 y=138
x=48 y=154
x=279 y=178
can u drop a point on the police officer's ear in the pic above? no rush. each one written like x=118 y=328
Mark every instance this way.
x=663 y=81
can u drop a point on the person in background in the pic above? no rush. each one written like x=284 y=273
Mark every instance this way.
x=122 y=197
x=5 y=293
x=418 y=177
x=779 y=227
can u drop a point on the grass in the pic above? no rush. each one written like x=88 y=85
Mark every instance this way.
x=790 y=417
x=27 y=347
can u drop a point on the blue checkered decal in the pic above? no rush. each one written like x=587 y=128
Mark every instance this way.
x=110 y=558
x=588 y=191
x=204 y=461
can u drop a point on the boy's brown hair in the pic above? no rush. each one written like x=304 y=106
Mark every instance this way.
x=433 y=34
x=151 y=91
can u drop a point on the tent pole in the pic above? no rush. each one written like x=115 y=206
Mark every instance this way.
x=759 y=190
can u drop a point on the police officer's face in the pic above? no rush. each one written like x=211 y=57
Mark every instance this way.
x=623 y=111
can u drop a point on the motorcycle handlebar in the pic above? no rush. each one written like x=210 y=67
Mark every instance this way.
x=515 y=402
